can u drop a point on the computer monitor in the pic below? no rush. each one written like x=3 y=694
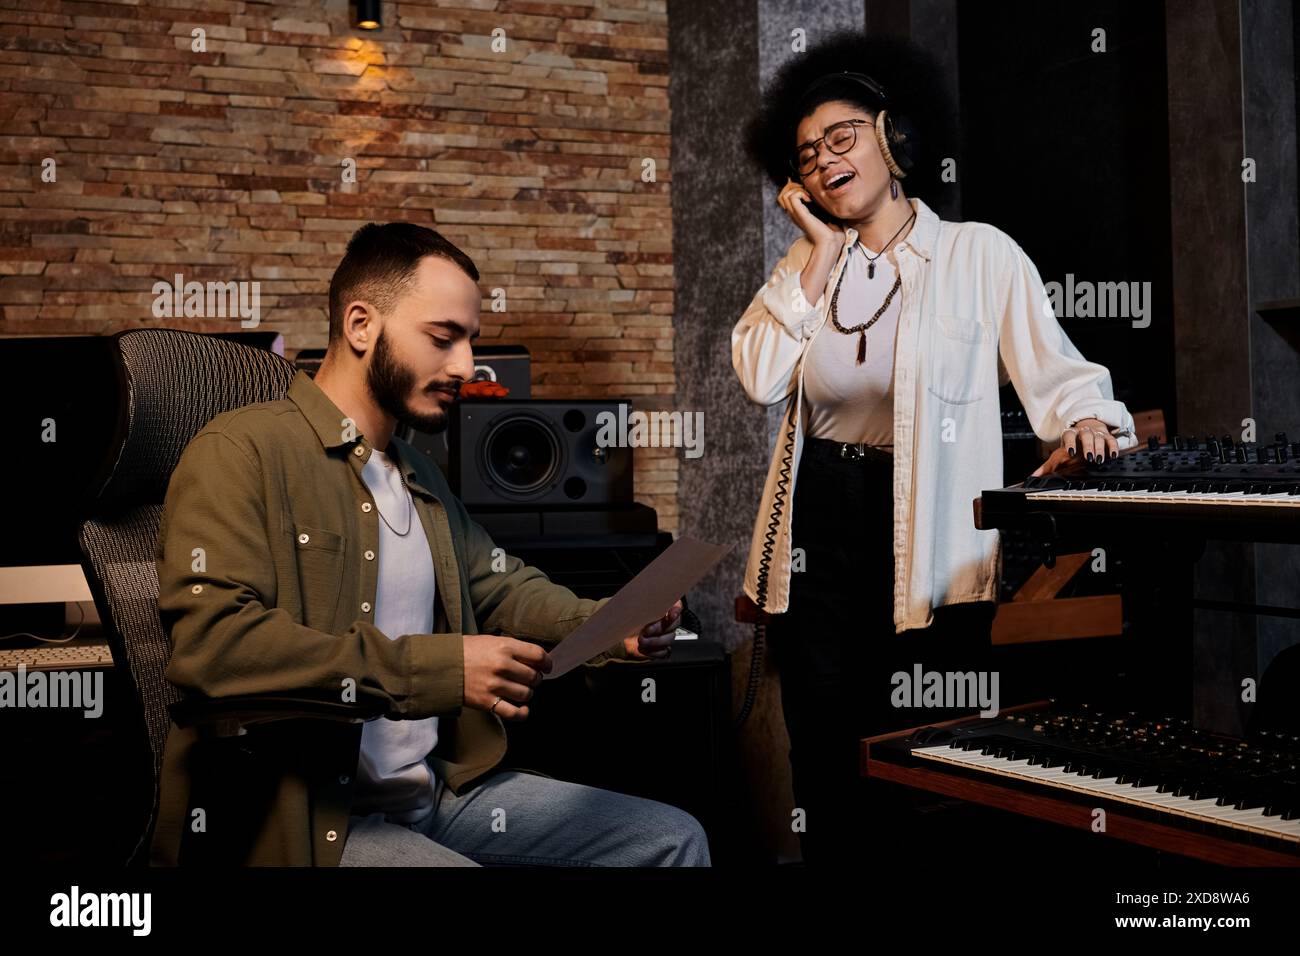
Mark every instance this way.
x=63 y=405
x=60 y=395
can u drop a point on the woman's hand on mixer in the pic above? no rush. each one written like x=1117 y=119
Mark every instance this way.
x=1088 y=438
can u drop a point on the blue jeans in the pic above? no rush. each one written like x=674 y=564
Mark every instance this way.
x=514 y=818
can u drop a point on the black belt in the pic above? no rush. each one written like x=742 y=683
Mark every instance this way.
x=852 y=451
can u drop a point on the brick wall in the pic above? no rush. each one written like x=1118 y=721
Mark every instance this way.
x=228 y=164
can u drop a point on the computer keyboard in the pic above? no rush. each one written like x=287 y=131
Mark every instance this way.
x=56 y=657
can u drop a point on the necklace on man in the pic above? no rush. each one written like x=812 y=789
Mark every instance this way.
x=860 y=329
x=406 y=496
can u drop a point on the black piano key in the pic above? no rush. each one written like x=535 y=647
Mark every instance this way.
x=1249 y=801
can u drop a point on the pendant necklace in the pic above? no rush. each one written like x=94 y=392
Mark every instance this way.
x=860 y=329
x=871 y=260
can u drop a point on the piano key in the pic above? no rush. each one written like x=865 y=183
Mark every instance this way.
x=1278 y=499
x=1205 y=809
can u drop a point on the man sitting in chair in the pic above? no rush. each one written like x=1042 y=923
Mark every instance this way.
x=306 y=552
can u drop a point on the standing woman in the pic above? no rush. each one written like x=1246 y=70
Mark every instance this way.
x=885 y=332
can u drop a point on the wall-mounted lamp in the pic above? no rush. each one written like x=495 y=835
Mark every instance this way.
x=369 y=14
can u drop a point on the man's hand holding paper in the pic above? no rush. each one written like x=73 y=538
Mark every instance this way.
x=655 y=640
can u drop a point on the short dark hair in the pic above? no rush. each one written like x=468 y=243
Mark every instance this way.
x=380 y=264
x=912 y=82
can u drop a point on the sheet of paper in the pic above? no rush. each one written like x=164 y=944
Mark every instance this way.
x=644 y=599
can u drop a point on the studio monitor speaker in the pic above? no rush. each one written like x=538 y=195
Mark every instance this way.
x=539 y=453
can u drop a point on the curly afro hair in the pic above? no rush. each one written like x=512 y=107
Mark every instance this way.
x=911 y=79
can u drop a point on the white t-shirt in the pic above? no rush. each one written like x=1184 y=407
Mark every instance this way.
x=392 y=774
x=848 y=402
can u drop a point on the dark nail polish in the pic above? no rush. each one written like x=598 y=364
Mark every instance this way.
x=1114 y=454
x=1088 y=456
x=1074 y=452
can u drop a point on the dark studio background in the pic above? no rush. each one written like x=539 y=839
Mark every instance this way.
x=1067 y=151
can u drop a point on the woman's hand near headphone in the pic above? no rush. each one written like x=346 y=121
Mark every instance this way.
x=794 y=199
x=827 y=239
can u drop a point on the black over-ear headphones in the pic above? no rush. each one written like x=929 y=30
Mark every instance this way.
x=895 y=134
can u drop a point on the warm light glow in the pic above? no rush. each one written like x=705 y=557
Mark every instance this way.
x=370 y=15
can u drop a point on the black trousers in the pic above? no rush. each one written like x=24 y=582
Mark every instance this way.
x=837 y=653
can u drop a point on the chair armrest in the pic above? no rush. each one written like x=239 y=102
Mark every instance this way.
x=232 y=716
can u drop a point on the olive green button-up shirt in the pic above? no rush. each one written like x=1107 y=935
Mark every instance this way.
x=267 y=572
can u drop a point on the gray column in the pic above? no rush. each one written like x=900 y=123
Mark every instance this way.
x=1273 y=254
x=1231 y=70
x=728 y=233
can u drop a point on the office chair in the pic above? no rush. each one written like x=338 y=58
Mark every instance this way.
x=170 y=384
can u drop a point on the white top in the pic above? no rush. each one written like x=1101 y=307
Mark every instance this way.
x=392 y=774
x=849 y=402
x=975 y=315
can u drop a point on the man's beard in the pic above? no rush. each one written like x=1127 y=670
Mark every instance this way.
x=391 y=383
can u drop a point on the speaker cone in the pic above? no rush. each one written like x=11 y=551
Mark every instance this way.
x=521 y=455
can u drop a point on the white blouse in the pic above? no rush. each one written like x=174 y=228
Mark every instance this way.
x=848 y=402
x=974 y=315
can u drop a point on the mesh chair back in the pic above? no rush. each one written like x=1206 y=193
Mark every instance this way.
x=172 y=383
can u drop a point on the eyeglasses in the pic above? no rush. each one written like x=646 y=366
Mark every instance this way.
x=839 y=138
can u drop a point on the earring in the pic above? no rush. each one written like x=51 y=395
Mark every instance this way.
x=893 y=188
